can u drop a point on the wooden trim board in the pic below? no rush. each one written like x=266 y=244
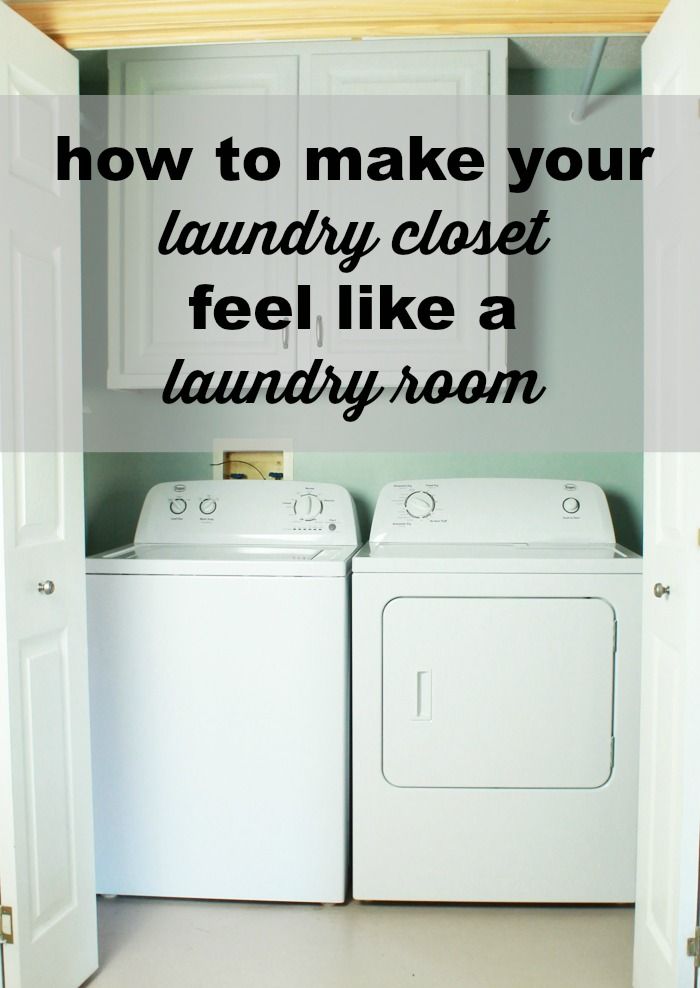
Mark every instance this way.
x=81 y=24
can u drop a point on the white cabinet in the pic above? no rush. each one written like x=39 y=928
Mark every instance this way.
x=151 y=321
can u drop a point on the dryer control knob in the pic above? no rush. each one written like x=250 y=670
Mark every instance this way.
x=307 y=507
x=571 y=505
x=420 y=504
x=178 y=506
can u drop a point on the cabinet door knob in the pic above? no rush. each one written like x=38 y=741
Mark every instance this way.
x=661 y=590
x=46 y=587
x=319 y=330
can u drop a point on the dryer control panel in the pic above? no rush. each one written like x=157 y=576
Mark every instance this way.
x=235 y=512
x=485 y=511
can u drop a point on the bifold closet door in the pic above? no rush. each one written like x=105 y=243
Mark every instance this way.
x=46 y=858
x=668 y=893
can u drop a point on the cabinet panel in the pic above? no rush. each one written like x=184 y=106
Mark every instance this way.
x=399 y=73
x=405 y=84
x=150 y=319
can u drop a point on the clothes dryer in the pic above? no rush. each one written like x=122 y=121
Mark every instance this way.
x=496 y=667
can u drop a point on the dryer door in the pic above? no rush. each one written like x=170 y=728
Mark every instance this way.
x=498 y=692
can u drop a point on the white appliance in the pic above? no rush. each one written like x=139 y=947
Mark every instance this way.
x=496 y=662
x=219 y=668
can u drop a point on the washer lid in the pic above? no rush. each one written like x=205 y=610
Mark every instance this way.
x=166 y=559
x=225 y=553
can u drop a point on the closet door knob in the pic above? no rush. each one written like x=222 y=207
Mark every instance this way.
x=660 y=590
x=46 y=587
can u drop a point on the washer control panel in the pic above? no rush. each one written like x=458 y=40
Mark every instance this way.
x=501 y=511
x=235 y=512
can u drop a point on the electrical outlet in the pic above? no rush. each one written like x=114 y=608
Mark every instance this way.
x=253 y=464
x=244 y=460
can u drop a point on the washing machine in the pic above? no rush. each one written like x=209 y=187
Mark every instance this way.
x=496 y=666
x=219 y=678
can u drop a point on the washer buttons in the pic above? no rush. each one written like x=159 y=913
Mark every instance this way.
x=571 y=505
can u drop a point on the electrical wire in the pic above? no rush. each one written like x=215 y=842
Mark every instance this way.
x=245 y=463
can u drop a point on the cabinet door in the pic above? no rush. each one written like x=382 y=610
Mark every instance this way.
x=413 y=75
x=196 y=100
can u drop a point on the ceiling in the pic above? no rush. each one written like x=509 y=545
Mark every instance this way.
x=84 y=24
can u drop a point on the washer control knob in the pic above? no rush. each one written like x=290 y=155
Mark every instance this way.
x=420 y=504
x=307 y=507
x=207 y=506
x=571 y=505
x=178 y=506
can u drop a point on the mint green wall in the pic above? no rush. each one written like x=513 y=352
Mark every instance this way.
x=115 y=483
x=562 y=82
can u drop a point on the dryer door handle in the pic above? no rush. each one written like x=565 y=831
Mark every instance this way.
x=424 y=695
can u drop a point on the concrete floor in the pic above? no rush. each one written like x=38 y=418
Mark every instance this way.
x=148 y=943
